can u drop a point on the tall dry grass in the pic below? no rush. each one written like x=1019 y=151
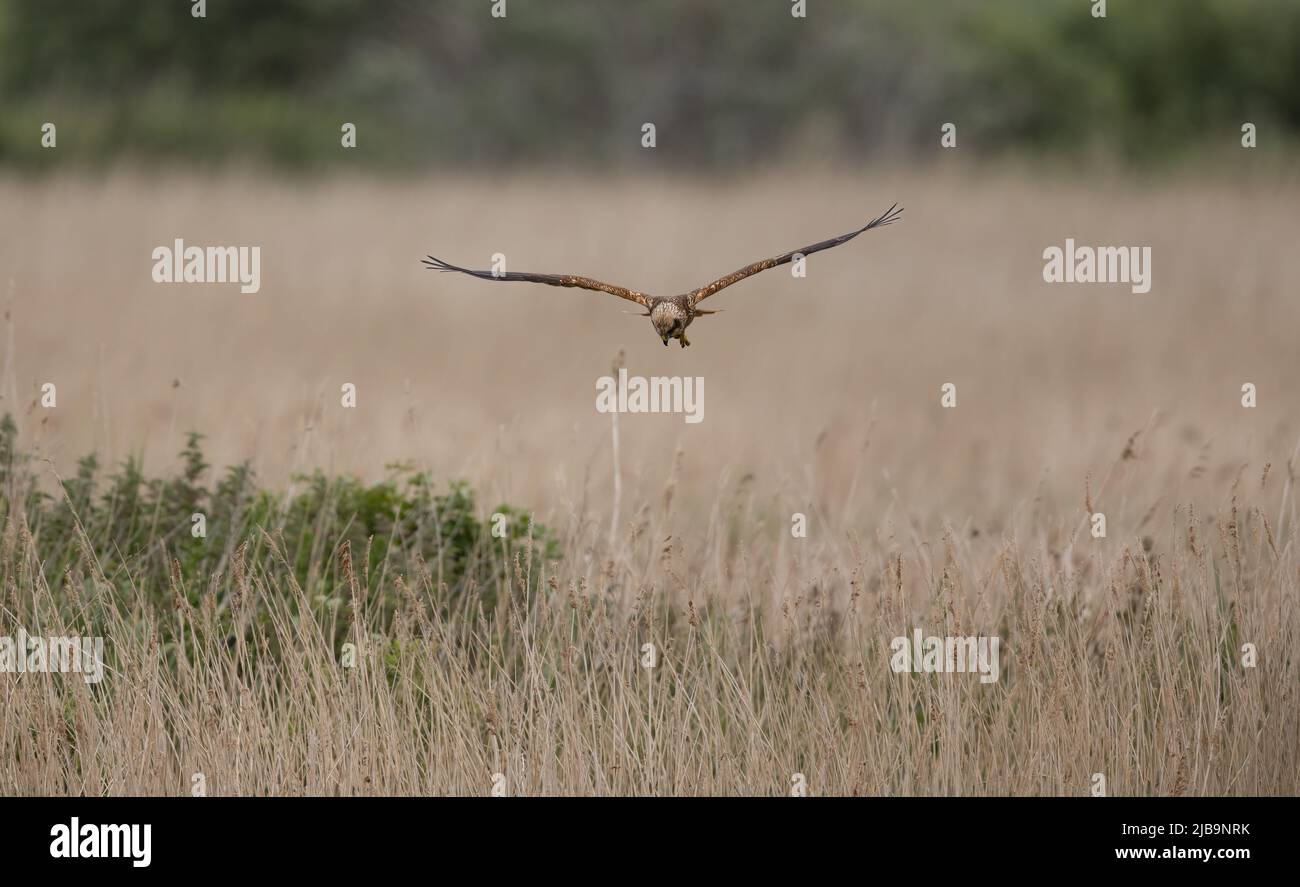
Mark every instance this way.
x=1121 y=655
x=1126 y=664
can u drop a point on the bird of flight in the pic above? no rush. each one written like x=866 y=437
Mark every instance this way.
x=671 y=315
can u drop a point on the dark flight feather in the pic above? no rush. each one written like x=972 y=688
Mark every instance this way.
x=891 y=216
x=586 y=283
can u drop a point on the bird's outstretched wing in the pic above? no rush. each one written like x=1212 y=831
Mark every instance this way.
x=722 y=283
x=550 y=279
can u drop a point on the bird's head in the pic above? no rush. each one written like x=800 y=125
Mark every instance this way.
x=667 y=321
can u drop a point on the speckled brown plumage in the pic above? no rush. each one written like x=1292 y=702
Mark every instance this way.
x=670 y=316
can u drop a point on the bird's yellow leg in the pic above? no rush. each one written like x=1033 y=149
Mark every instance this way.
x=682 y=338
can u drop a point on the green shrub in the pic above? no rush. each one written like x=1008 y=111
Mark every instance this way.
x=338 y=537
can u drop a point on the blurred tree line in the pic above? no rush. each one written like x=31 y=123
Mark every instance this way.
x=726 y=83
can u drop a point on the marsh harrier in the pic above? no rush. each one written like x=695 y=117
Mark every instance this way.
x=671 y=315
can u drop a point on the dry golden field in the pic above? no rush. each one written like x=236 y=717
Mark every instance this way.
x=1121 y=655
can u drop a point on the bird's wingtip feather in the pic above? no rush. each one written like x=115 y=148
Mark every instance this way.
x=435 y=264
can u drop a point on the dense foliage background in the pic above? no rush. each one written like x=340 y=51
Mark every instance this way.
x=572 y=81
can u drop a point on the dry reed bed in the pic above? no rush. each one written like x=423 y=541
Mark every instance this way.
x=1115 y=660
x=1120 y=655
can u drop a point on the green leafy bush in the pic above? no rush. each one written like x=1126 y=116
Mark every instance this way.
x=338 y=538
